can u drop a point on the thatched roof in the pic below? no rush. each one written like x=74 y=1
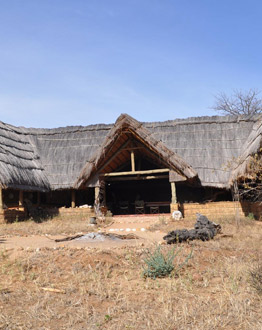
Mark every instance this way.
x=208 y=144
x=124 y=126
x=19 y=163
x=54 y=158
x=65 y=151
x=251 y=146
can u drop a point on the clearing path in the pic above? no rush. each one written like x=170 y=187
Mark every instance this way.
x=137 y=225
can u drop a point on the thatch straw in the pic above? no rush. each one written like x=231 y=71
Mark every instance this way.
x=19 y=163
x=250 y=148
x=125 y=122
x=208 y=144
x=65 y=151
x=41 y=159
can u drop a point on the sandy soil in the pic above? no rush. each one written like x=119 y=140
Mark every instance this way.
x=120 y=226
x=39 y=241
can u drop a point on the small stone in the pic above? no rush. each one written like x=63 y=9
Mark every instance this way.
x=177 y=215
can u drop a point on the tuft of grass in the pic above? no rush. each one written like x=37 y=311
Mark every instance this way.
x=255 y=278
x=161 y=264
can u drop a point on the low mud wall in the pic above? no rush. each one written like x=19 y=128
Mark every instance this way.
x=215 y=210
x=12 y=215
x=77 y=212
x=19 y=214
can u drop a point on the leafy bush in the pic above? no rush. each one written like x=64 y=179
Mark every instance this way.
x=251 y=216
x=256 y=278
x=161 y=264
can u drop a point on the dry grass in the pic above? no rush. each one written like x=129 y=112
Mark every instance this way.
x=105 y=289
x=55 y=226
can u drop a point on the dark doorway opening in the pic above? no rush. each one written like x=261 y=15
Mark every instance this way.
x=124 y=197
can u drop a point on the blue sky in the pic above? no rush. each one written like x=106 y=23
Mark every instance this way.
x=79 y=62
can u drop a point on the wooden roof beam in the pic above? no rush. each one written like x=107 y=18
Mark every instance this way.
x=115 y=155
x=160 y=170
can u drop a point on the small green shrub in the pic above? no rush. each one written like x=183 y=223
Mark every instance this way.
x=251 y=216
x=161 y=264
x=256 y=278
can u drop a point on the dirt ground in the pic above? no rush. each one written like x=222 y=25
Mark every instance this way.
x=17 y=244
x=138 y=226
x=79 y=285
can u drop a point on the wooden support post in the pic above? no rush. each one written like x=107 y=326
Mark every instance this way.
x=38 y=200
x=21 y=198
x=173 y=192
x=73 y=199
x=96 y=193
x=1 y=200
x=133 y=168
x=103 y=191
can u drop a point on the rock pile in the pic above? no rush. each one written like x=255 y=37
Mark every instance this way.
x=204 y=229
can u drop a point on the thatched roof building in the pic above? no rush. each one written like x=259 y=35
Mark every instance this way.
x=198 y=148
x=119 y=136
